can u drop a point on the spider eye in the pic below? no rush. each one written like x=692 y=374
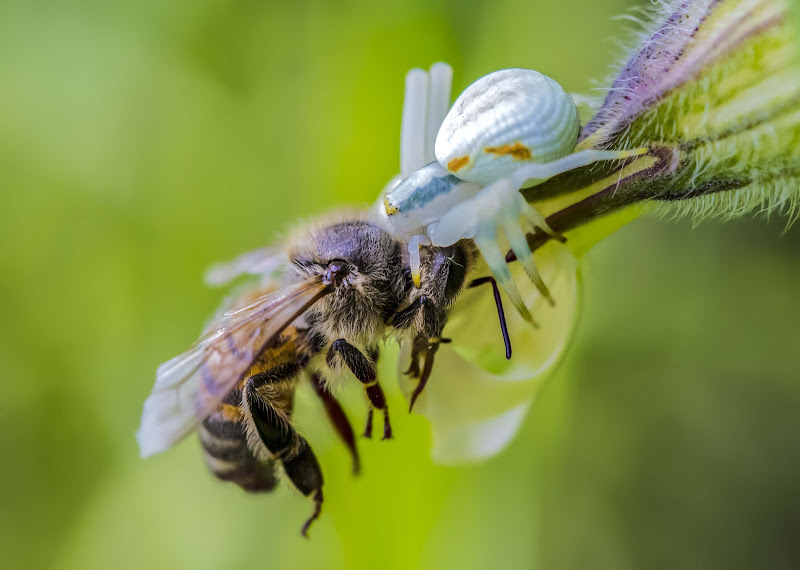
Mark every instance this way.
x=337 y=270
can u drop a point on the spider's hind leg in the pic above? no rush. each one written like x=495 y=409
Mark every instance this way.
x=535 y=220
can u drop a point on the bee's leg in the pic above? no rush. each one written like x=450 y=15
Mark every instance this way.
x=364 y=370
x=430 y=353
x=339 y=420
x=404 y=318
x=413 y=366
x=425 y=345
x=368 y=425
x=305 y=473
x=378 y=401
x=376 y=395
x=445 y=274
x=268 y=410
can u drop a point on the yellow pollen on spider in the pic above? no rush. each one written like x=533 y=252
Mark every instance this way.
x=390 y=210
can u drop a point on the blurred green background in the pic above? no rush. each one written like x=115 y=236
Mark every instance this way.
x=142 y=141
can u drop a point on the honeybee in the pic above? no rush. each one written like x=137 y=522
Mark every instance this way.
x=347 y=286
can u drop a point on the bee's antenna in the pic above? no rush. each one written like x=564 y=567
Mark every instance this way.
x=500 y=313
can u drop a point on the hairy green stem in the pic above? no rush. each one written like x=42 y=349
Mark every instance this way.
x=713 y=90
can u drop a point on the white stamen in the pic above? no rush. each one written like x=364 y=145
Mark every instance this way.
x=441 y=78
x=412 y=130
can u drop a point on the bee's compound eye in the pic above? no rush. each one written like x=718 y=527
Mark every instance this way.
x=337 y=271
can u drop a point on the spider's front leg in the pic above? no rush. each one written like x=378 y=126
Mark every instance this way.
x=500 y=207
x=480 y=217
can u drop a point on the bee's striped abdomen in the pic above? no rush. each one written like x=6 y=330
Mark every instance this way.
x=224 y=438
x=224 y=433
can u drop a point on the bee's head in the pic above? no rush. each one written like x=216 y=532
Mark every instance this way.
x=364 y=267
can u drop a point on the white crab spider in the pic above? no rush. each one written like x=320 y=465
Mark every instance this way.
x=511 y=129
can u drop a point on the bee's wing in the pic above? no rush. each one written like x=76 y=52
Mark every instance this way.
x=476 y=400
x=262 y=262
x=190 y=386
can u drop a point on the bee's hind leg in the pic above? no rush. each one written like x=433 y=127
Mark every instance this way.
x=270 y=419
x=339 y=420
x=363 y=369
x=305 y=473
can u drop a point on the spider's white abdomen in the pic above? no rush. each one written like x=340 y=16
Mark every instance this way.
x=504 y=120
